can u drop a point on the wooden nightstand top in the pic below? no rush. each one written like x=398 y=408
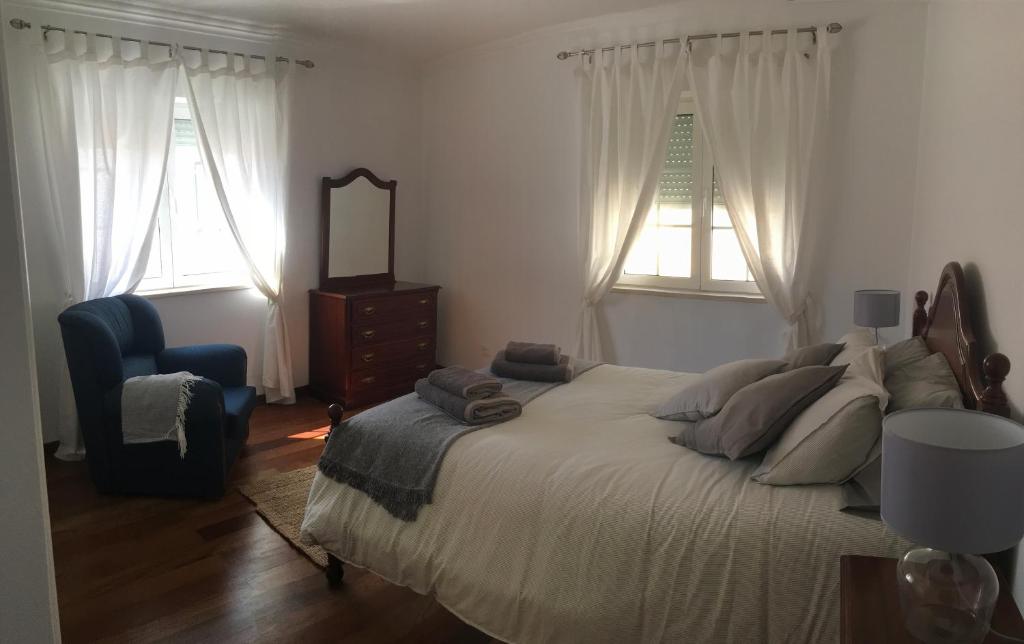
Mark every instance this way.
x=870 y=612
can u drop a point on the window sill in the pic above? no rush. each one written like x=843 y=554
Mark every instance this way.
x=191 y=290
x=752 y=298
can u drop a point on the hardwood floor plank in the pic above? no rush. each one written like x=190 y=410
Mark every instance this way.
x=172 y=570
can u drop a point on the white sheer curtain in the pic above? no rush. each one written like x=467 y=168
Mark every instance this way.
x=762 y=104
x=106 y=122
x=239 y=111
x=629 y=98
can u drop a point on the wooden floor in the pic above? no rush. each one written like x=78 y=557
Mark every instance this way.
x=142 y=570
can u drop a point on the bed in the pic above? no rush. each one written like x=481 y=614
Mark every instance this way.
x=579 y=522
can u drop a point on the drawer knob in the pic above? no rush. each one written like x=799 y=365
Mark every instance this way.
x=368 y=357
x=369 y=333
x=422 y=345
x=369 y=310
x=425 y=301
x=423 y=324
x=369 y=380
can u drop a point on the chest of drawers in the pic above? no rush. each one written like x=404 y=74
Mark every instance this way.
x=368 y=345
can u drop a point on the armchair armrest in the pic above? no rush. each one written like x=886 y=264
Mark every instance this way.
x=223 y=363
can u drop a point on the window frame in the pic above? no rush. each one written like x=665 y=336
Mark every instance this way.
x=700 y=282
x=174 y=278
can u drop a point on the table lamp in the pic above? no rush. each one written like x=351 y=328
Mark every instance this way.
x=952 y=483
x=874 y=308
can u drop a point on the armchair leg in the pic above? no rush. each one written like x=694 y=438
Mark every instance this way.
x=335 y=571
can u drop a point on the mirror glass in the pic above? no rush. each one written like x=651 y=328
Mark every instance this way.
x=359 y=230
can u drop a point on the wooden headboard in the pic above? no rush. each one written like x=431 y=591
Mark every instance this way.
x=947 y=328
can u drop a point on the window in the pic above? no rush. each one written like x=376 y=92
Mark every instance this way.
x=192 y=244
x=687 y=242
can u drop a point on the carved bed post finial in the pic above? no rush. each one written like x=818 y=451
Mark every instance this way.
x=993 y=399
x=334 y=412
x=920 y=314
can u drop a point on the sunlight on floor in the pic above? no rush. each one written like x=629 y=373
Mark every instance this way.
x=315 y=433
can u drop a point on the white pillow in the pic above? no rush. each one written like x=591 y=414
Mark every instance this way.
x=834 y=438
x=856 y=342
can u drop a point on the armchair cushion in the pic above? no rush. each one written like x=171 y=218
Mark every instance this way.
x=222 y=363
x=139 y=365
x=238 y=405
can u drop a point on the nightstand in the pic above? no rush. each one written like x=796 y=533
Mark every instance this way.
x=870 y=605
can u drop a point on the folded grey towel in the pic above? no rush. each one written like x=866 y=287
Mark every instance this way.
x=533 y=353
x=494 y=409
x=464 y=383
x=561 y=372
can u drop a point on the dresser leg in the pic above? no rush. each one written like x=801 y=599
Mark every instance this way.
x=335 y=571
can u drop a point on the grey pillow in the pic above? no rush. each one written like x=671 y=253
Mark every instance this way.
x=816 y=355
x=707 y=396
x=903 y=353
x=756 y=415
x=928 y=382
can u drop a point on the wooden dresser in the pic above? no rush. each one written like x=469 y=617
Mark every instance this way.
x=370 y=344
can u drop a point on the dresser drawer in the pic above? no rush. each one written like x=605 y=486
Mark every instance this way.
x=390 y=376
x=373 y=309
x=377 y=332
x=416 y=350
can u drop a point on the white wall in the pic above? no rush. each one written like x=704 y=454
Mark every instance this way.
x=501 y=165
x=970 y=168
x=357 y=107
x=28 y=597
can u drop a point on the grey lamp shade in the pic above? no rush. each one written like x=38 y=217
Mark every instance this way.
x=953 y=479
x=876 y=308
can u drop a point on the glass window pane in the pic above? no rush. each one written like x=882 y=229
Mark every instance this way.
x=720 y=217
x=674 y=251
x=727 y=261
x=675 y=214
x=643 y=256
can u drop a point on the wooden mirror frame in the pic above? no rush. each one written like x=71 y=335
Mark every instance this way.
x=354 y=281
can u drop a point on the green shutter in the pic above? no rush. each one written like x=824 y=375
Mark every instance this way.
x=677 y=179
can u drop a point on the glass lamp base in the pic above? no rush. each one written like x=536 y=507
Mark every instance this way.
x=946 y=597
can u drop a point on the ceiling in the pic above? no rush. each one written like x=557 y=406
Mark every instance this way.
x=419 y=29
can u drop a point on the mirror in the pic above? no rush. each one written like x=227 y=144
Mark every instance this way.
x=357 y=231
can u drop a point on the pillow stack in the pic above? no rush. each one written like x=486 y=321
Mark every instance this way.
x=740 y=408
x=816 y=414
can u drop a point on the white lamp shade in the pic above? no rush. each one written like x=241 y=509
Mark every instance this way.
x=876 y=308
x=953 y=479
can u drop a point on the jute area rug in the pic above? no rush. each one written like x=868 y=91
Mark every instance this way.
x=281 y=501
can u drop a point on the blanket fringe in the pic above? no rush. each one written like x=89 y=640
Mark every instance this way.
x=401 y=503
x=184 y=400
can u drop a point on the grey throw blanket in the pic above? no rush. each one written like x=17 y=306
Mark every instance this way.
x=561 y=372
x=394 y=451
x=482 y=411
x=532 y=353
x=153 y=408
x=464 y=383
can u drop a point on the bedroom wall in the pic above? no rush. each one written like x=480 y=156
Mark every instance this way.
x=500 y=173
x=970 y=164
x=357 y=107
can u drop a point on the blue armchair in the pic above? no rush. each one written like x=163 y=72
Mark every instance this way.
x=110 y=339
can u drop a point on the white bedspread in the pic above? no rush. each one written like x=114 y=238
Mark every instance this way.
x=580 y=522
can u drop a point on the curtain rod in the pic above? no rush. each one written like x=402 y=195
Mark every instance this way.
x=18 y=23
x=833 y=28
